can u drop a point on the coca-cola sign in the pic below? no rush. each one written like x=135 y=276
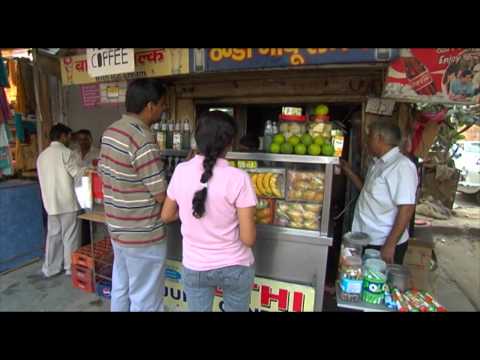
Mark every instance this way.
x=441 y=75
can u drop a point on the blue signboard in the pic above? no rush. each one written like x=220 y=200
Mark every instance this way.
x=231 y=59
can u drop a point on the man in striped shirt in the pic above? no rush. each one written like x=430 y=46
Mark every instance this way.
x=134 y=191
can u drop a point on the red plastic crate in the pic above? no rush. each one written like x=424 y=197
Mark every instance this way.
x=102 y=251
x=82 y=278
x=86 y=260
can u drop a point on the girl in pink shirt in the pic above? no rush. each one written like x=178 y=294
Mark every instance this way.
x=216 y=205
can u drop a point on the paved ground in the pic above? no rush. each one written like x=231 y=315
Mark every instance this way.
x=26 y=290
x=457 y=247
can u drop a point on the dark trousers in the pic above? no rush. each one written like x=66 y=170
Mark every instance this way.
x=400 y=251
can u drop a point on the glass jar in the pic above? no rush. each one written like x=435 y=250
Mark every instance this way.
x=374 y=280
x=351 y=279
x=371 y=254
x=353 y=243
x=398 y=276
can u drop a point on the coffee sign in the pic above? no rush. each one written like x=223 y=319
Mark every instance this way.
x=110 y=61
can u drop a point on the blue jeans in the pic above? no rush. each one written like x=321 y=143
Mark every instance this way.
x=138 y=278
x=235 y=281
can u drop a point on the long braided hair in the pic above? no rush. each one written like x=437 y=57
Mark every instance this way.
x=215 y=131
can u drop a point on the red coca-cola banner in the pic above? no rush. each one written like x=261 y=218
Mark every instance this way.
x=438 y=75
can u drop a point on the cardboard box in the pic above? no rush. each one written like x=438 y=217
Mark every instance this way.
x=419 y=254
x=417 y=259
x=420 y=278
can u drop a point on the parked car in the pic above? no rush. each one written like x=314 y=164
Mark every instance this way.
x=467 y=160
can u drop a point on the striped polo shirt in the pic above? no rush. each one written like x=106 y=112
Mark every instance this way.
x=132 y=174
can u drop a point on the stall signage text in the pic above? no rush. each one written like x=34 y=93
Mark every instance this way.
x=110 y=61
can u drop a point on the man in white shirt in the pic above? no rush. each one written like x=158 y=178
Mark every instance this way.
x=84 y=151
x=57 y=167
x=387 y=199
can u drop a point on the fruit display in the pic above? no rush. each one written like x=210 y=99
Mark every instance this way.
x=294 y=139
x=305 y=186
x=323 y=129
x=328 y=149
x=297 y=215
x=247 y=164
x=269 y=182
x=321 y=109
x=292 y=128
x=264 y=212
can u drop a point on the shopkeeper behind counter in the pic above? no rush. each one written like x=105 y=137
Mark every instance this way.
x=387 y=199
x=82 y=148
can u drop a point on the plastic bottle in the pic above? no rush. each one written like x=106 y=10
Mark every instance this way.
x=186 y=135
x=177 y=137
x=267 y=136
x=171 y=129
x=275 y=128
x=162 y=136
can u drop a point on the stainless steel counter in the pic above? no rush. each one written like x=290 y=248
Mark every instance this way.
x=290 y=255
x=284 y=254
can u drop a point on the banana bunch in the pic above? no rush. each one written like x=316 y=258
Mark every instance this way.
x=267 y=184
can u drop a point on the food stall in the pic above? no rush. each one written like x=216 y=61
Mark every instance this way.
x=299 y=234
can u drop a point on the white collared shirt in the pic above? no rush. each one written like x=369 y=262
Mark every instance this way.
x=391 y=181
x=56 y=168
x=87 y=161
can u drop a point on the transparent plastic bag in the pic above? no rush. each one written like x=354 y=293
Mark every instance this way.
x=298 y=215
x=265 y=211
x=305 y=186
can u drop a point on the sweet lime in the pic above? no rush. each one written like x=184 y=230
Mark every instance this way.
x=279 y=139
x=321 y=110
x=275 y=148
x=328 y=149
x=300 y=149
x=293 y=140
x=307 y=139
x=286 y=148
x=319 y=140
x=314 y=149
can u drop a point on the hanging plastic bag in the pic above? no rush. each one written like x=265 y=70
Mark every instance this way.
x=83 y=191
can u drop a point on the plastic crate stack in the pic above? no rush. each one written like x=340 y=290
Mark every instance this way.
x=83 y=264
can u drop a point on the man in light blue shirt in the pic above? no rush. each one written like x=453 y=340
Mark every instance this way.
x=388 y=194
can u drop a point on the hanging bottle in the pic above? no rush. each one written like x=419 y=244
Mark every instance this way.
x=171 y=129
x=267 y=136
x=162 y=136
x=186 y=135
x=177 y=137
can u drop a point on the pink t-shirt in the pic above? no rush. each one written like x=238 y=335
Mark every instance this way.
x=213 y=241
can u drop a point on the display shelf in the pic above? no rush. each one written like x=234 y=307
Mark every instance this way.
x=285 y=158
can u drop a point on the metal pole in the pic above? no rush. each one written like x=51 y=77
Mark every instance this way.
x=36 y=86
